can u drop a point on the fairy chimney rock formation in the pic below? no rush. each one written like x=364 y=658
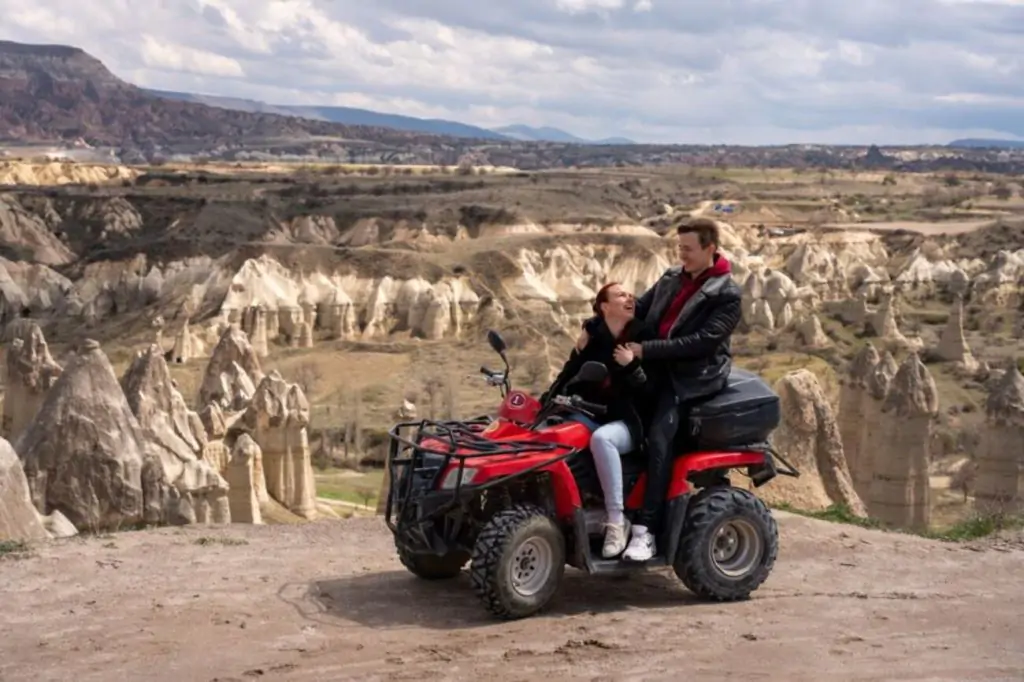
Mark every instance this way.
x=232 y=373
x=811 y=333
x=31 y=373
x=306 y=334
x=258 y=332
x=157 y=325
x=176 y=438
x=785 y=317
x=213 y=421
x=999 y=481
x=809 y=438
x=873 y=438
x=19 y=520
x=241 y=475
x=853 y=402
x=884 y=325
x=277 y=418
x=952 y=344
x=185 y=345
x=899 y=493
x=83 y=453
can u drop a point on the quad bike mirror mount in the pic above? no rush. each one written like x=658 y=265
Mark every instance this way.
x=499 y=346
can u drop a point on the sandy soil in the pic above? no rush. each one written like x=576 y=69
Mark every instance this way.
x=328 y=601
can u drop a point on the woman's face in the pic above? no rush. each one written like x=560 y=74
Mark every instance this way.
x=620 y=303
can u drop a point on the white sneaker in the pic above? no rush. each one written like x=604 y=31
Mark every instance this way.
x=641 y=546
x=615 y=535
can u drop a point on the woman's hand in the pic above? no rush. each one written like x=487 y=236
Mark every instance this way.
x=623 y=355
x=636 y=349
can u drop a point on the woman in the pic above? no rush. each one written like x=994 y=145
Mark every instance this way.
x=604 y=340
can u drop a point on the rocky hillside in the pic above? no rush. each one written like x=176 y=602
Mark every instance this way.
x=60 y=95
x=425 y=255
x=57 y=92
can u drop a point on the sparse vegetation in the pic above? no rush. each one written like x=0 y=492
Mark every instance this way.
x=972 y=528
x=13 y=549
x=226 y=541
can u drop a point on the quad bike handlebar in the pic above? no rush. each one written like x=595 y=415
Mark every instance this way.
x=578 y=404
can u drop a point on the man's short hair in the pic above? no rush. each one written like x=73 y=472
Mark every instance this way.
x=706 y=230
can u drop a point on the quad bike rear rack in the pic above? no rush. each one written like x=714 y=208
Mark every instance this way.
x=413 y=482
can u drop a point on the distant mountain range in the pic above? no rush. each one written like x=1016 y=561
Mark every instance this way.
x=983 y=143
x=547 y=134
x=365 y=117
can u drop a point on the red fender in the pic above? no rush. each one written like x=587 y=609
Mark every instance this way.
x=685 y=465
x=572 y=434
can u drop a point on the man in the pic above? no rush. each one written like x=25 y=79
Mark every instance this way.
x=694 y=307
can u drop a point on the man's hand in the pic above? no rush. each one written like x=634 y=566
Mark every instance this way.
x=636 y=349
x=623 y=355
x=582 y=341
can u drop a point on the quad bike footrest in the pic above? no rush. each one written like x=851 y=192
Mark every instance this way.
x=619 y=566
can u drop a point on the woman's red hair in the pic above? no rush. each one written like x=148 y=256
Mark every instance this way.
x=602 y=297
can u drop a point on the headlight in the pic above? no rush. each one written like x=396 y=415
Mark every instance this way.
x=452 y=477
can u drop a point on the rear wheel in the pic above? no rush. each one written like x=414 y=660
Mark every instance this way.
x=729 y=544
x=432 y=566
x=518 y=562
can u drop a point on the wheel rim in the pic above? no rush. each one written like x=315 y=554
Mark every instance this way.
x=736 y=548
x=531 y=566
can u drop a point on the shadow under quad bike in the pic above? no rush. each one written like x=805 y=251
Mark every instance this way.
x=518 y=498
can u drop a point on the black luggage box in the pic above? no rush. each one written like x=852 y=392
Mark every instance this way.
x=743 y=414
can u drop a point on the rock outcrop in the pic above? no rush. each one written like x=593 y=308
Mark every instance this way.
x=999 y=481
x=231 y=373
x=244 y=479
x=873 y=442
x=83 y=453
x=809 y=438
x=19 y=519
x=31 y=372
x=884 y=325
x=811 y=333
x=854 y=401
x=277 y=418
x=192 y=491
x=900 y=486
x=952 y=344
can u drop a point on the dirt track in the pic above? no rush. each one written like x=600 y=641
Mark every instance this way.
x=328 y=601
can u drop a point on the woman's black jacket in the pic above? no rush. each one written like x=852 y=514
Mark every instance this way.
x=627 y=390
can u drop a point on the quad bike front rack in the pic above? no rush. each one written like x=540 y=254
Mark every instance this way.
x=414 y=480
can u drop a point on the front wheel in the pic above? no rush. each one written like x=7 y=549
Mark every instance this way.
x=518 y=562
x=729 y=544
x=433 y=567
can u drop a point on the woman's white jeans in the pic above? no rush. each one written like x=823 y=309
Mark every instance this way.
x=607 y=444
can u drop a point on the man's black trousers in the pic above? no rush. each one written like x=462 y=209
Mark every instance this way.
x=664 y=436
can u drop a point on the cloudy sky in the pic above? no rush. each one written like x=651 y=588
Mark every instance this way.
x=698 y=71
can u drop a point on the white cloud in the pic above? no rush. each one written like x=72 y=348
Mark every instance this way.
x=577 y=6
x=160 y=54
x=767 y=71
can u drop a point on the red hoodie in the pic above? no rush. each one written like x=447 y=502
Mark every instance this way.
x=691 y=286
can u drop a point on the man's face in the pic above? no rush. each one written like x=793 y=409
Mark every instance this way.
x=693 y=257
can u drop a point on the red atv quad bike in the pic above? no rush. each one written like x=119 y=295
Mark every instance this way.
x=518 y=497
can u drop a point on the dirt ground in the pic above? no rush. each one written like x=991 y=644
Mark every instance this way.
x=328 y=601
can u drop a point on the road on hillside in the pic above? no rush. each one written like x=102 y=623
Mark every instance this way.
x=329 y=601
